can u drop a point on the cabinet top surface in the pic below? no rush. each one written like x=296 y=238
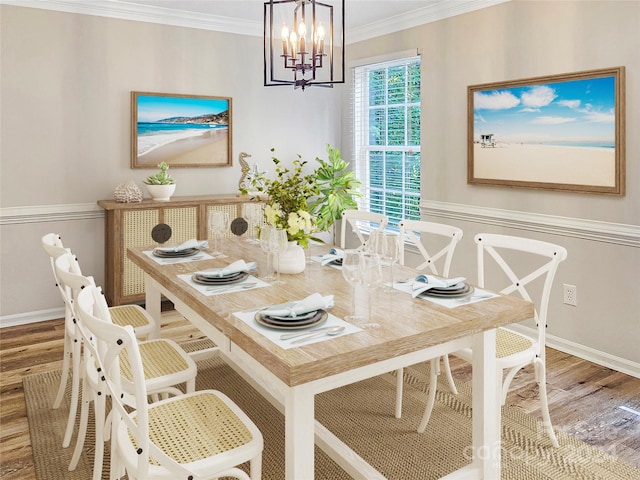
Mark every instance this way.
x=111 y=204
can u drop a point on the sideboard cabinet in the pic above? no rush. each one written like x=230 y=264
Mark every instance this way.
x=130 y=224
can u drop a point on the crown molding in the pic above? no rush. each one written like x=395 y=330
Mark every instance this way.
x=180 y=18
x=432 y=13
x=144 y=13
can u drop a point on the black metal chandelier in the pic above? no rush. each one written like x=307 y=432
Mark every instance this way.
x=307 y=51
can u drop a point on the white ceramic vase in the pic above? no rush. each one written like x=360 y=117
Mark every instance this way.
x=161 y=193
x=292 y=260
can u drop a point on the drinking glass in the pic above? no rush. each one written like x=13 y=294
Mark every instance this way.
x=371 y=278
x=390 y=254
x=218 y=224
x=266 y=244
x=352 y=272
x=252 y=212
x=279 y=242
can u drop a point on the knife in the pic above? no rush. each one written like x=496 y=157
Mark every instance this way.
x=289 y=336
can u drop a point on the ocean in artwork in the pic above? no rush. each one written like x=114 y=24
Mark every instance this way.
x=153 y=135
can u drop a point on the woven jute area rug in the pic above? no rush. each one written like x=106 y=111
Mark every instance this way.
x=362 y=416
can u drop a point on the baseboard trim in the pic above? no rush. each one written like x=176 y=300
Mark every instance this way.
x=586 y=353
x=31 y=317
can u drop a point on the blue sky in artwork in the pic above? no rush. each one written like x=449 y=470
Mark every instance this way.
x=577 y=112
x=154 y=108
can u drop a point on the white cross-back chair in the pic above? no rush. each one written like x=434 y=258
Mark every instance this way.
x=199 y=435
x=165 y=364
x=53 y=247
x=499 y=258
x=144 y=324
x=351 y=220
x=442 y=240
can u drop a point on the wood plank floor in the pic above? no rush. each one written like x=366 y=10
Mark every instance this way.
x=596 y=404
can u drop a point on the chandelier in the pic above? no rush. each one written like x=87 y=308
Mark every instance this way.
x=305 y=52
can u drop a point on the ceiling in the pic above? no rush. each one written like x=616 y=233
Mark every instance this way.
x=363 y=18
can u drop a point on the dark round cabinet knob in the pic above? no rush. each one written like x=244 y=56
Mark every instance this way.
x=239 y=226
x=161 y=233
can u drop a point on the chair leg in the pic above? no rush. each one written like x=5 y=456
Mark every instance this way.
x=431 y=400
x=447 y=367
x=75 y=391
x=399 y=387
x=99 y=407
x=541 y=378
x=82 y=428
x=255 y=467
x=66 y=364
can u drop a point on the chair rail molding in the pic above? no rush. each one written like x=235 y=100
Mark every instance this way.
x=50 y=213
x=595 y=230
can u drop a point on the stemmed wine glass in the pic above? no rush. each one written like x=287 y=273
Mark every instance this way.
x=390 y=254
x=252 y=213
x=279 y=243
x=218 y=224
x=371 y=278
x=266 y=232
x=351 y=271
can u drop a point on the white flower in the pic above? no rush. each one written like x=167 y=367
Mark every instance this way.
x=272 y=213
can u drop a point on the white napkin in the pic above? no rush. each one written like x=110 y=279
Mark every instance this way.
x=422 y=283
x=310 y=304
x=235 y=267
x=334 y=254
x=193 y=243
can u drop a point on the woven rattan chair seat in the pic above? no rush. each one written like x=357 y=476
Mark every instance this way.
x=128 y=315
x=195 y=427
x=510 y=343
x=159 y=357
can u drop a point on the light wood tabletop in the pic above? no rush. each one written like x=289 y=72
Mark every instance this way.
x=409 y=330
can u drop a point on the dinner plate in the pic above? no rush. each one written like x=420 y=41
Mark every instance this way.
x=460 y=292
x=228 y=280
x=289 y=318
x=318 y=318
x=181 y=253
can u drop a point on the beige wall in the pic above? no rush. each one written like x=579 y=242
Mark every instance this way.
x=522 y=39
x=65 y=117
x=65 y=134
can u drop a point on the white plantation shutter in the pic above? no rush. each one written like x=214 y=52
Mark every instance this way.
x=386 y=123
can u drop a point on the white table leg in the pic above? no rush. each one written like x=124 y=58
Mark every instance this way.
x=299 y=434
x=152 y=301
x=486 y=406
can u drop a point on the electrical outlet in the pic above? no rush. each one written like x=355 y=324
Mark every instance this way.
x=570 y=295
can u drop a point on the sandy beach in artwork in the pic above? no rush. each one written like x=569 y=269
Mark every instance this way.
x=546 y=163
x=208 y=148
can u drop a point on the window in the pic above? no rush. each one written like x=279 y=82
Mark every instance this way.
x=386 y=115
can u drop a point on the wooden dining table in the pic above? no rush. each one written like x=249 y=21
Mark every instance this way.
x=409 y=330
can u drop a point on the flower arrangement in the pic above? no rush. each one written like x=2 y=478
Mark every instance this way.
x=288 y=205
x=305 y=204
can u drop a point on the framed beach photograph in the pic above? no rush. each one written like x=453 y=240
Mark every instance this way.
x=182 y=130
x=560 y=132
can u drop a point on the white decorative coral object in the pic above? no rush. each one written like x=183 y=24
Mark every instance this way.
x=127 y=192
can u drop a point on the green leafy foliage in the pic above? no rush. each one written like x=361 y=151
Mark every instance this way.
x=160 y=178
x=337 y=187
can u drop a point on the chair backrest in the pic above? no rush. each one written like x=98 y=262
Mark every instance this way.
x=52 y=245
x=539 y=262
x=107 y=344
x=412 y=232
x=352 y=217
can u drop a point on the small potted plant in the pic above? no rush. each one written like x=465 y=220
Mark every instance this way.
x=161 y=185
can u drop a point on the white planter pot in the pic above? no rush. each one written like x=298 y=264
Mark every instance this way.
x=292 y=260
x=161 y=193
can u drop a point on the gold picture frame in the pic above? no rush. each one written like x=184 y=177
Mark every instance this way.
x=181 y=130
x=559 y=132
